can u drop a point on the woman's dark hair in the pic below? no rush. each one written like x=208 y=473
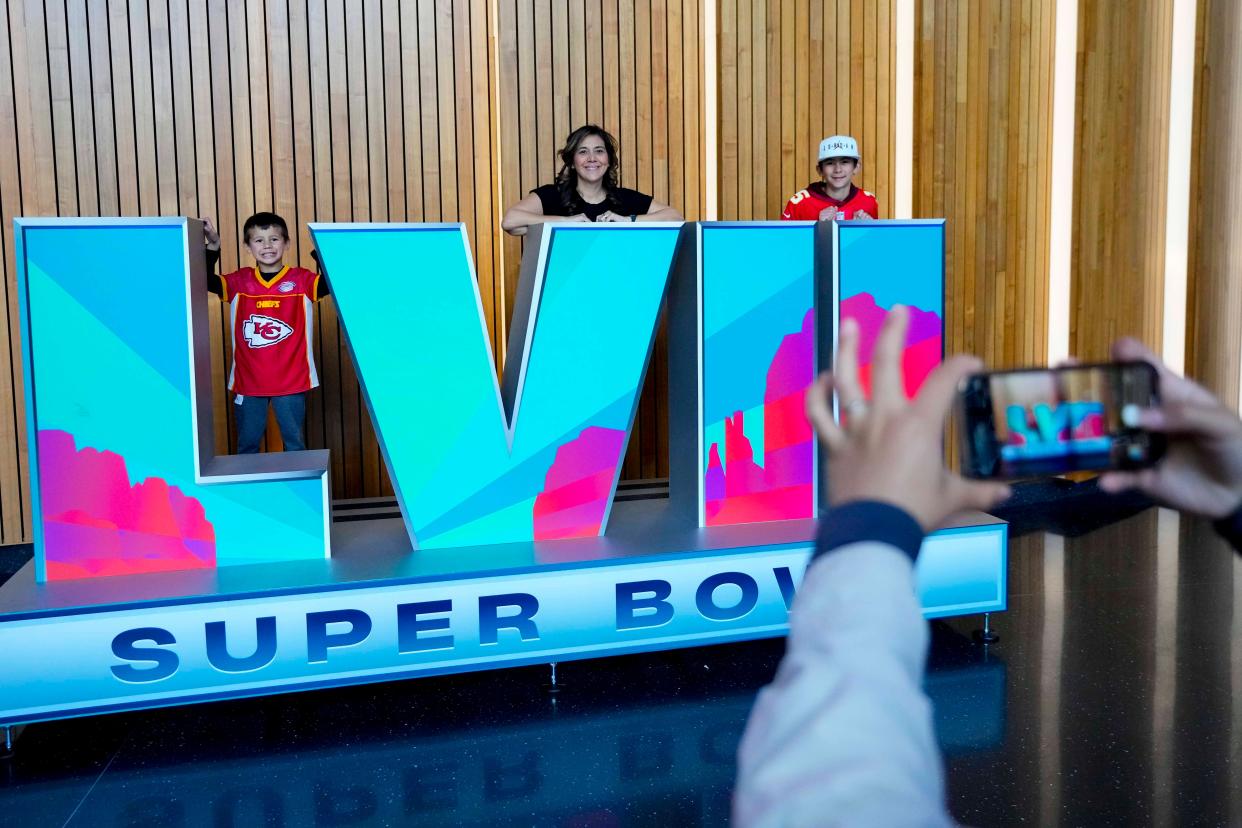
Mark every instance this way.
x=567 y=179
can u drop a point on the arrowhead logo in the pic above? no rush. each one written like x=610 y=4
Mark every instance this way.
x=261 y=331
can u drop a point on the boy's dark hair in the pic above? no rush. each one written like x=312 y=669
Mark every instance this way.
x=820 y=166
x=260 y=220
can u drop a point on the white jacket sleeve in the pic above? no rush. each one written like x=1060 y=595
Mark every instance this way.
x=843 y=735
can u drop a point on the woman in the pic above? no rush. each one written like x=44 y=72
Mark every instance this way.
x=586 y=189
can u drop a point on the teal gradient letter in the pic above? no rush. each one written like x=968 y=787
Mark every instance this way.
x=124 y=475
x=475 y=461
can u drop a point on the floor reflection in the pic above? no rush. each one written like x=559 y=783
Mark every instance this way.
x=1111 y=698
x=1122 y=647
x=638 y=741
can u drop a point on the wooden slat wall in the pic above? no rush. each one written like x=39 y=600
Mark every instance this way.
x=633 y=67
x=335 y=111
x=436 y=110
x=791 y=73
x=320 y=110
x=1121 y=168
x=983 y=112
x=14 y=477
x=1214 y=329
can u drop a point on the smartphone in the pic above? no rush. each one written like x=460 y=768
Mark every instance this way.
x=1042 y=422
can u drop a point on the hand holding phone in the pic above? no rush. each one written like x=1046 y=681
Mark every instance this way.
x=1202 y=472
x=1032 y=423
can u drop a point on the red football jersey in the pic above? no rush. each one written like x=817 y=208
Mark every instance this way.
x=806 y=205
x=271 y=322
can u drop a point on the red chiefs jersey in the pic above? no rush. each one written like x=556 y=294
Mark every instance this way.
x=271 y=322
x=806 y=205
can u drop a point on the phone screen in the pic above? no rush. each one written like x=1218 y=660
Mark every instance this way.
x=1044 y=422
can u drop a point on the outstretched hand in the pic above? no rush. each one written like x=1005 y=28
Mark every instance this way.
x=890 y=449
x=1202 y=471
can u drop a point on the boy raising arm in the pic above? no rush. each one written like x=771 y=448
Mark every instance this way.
x=270 y=312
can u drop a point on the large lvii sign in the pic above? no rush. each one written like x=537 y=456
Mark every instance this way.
x=120 y=416
x=506 y=483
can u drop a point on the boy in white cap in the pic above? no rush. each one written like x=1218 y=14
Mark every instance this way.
x=835 y=197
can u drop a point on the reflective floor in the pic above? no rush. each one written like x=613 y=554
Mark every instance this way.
x=1114 y=697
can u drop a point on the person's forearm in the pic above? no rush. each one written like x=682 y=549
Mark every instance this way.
x=844 y=733
x=214 y=283
x=516 y=222
x=663 y=214
x=322 y=289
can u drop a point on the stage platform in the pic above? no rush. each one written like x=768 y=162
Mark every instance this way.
x=377 y=610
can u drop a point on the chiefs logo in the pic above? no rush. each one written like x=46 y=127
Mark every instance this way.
x=261 y=331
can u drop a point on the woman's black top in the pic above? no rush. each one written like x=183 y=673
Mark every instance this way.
x=624 y=202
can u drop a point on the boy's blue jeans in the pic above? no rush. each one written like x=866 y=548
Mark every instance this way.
x=251 y=414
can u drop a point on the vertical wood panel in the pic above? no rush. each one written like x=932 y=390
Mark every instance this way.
x=1214 y=329
x=981 y=160
x=1121 y=174
x=80 y=102
x=793 y=72
x=107 y=185
x=312 y=112
x=320 y=111
x=730 y=73
x=162 y=104
x=517 y=122
x=14 y=481
x=61 y=108
x=305 y=188
x=756 y=94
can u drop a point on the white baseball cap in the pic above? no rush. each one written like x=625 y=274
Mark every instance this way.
x=839 y=146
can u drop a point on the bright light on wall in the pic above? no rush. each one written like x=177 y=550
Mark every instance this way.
x=711 y=186
x=1061 y=222
x=1177 y=215
x=903 y=112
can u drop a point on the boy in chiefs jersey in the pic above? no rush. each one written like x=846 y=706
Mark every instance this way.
x=270 y=308
x=835 y=197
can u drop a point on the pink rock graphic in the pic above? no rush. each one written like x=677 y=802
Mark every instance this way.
x=740 y=490
x=95 y=523
x=924 y=340
x=578 y=485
